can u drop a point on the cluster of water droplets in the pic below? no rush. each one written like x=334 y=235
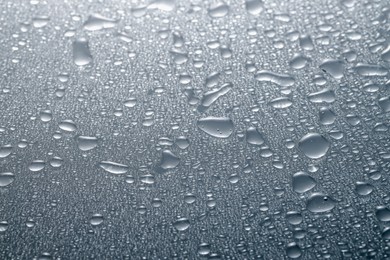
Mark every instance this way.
x=169 y=129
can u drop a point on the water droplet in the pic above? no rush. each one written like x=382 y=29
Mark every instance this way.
x=253 y=136
x=131 y=102
x=86 y=143
x=210 y=97
x=56 y=162
x=5 y=150
x=294 y=217
x=181 y=224
x=302 y=182
x=370 y=70
x=283 y=80
x=327 y=116
x=189 y=198
x=335 y=68
x=363 y=188
x=298 y=62
x=306 y=43
x=314 y=145
x=45 y=116
x=6 y=178
x=322 y=96
x=163 y=5
x=37 y=165
x=40 y=21
x=382 y=213
x=319 y=203
x=81 y=53
x=112 y=167
x=281 y=102
x=293 y=250
x=67 y=125
x=97 y=22
x=220 y=127
x=182 y=142
x=168 y=160
x=254 y=7
x=386 y=233
x=96 y=219
x=218 y=10
x=204 y=249
x=3 y=226
x=384 y=104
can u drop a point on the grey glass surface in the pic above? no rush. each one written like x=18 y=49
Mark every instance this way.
x=194 y=129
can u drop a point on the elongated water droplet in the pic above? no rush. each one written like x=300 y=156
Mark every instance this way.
x=212 y=96
x=283 y=80
x=97 y=22
x=281 y=102
x=370 y=70
x=113 y=167
x=81 y=53
x=322 y=96
x=67 y=125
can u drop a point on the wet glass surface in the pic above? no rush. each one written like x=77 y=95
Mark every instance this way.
x=162 y=129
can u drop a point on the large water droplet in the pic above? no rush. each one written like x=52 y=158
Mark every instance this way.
x=6 y=178
x=221 y=127
x=254 y=7
x=218 y=10
x=168 y=160
x=253 y=136
x=363 y=188
x=37 y=165
x=181 y=224
x=382 y=213
x=335 y=68
x=319 y=203
x=314 y=145
x=293 y=250
x=302 y=182
x=81 y=53
x=370 y=70
x=5 y=150
x=86 y=143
